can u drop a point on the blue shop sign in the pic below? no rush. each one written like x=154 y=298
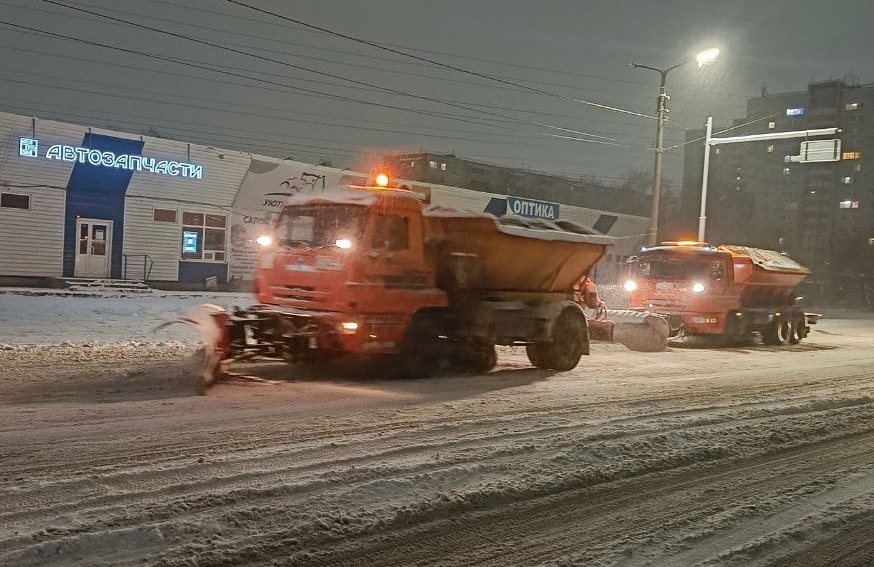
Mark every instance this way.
x=532 y=209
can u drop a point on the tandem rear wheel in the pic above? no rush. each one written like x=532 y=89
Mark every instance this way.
x=568 y=344
x=785 y=329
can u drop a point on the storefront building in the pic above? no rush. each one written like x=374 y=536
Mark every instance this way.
x=81 y=202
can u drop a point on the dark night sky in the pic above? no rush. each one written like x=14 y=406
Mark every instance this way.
x=575 y=49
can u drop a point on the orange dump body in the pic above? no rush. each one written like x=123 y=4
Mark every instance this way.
x=764 y=276
x=515 y=258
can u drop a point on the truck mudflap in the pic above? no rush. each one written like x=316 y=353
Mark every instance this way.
x=637 y=330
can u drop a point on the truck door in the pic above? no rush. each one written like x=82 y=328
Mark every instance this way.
x=395 y=255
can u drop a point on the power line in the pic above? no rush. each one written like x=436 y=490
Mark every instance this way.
x=434 y=62
x=190 y=63
x=344 y=52
x=598 y=140
x=238 y=111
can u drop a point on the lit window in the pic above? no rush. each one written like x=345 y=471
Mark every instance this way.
x=795 y=111
x=771 y=149
x=851 y=155
x=772 y=125
x=716 y=151
x=857 y=167
x=847 y=180
x=443 y=166
x=164 y=215
x=432 y=164
x=203 y=236
x=14 y=201
x=786 y=171
x=847 y=204
x=851 y=106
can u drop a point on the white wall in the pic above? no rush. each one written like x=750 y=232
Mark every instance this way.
x=31 y=241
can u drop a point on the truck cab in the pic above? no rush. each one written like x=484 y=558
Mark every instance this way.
x=352 y=263
x=693 y=280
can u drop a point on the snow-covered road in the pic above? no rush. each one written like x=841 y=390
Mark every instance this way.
x=749 y=456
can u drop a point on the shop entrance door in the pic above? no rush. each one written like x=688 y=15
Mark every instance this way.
x=93 y=248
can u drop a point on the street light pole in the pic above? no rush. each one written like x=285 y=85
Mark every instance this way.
x=702 y=219
x=661 y=118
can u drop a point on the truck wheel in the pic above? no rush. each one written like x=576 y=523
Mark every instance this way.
x=419 y=350
x=568 y=340
x=777 y=332
x=799 y=330
x=733 y=335
x=538 y=355
x=480 y=357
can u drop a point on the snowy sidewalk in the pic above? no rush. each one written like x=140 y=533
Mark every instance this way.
x=35 y=316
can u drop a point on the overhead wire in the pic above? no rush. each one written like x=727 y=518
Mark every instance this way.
x=346 y=53
x=598 y=139
x=189 y=63
x=434 y=62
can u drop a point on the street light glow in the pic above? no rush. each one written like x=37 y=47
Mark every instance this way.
x=707 y=56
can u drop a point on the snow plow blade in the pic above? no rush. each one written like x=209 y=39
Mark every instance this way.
x=210 y=321
x=637 y=330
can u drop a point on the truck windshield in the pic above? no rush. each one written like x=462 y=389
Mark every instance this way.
x=320 y=225
x=667 y=268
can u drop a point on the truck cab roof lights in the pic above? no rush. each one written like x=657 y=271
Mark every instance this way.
x=381 y=179
x=686 y=243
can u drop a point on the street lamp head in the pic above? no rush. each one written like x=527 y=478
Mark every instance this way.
x=706 y=57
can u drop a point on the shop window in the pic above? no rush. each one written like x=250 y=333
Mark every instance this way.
x=203 y=236
x=390 y=232
x=164 y=215
x=14 y=201
x=851 y=155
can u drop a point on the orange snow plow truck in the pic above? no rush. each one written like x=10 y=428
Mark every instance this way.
x=370 y=270
x=727 y=292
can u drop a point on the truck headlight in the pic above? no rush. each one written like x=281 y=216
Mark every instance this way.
x=697 y=287
x=629 y=285
x=264 y=240
x=343 y=243
x=348 y=327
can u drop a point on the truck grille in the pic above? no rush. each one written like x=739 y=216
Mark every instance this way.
x=663 y=305
x=298 y=293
